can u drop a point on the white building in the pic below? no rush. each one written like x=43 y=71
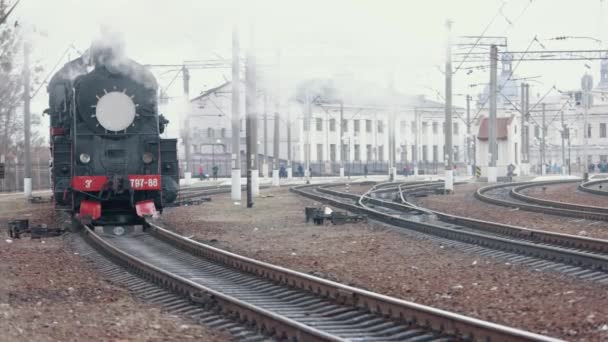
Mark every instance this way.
x=362 y=139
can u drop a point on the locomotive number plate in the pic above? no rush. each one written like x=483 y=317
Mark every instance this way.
x=145 y=182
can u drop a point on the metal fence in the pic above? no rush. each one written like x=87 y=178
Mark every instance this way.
x=318 y=168
x=13 y=177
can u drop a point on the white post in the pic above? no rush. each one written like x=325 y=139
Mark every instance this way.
x=187 y=178
x=255 y=191
x=235 y=192
x=289 y=173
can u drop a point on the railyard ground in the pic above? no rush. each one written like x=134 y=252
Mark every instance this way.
x=385 y=259
x=69 y=301
x=48 y=293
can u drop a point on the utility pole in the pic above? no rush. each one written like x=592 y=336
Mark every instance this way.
x=449 y=166
x=587 y=85
x=391 y=130
x=341 y=139
x=542 y=145
x=277 y=127
x=265 y=160
x=186 y=126
x=289 y=164
x=563 y=143
x=307 y=147
x=526 y=128
x=416 y=135
x=251 y=104
x=492 y=177
x=236 y=117
x=27 y=177
x=468 y=140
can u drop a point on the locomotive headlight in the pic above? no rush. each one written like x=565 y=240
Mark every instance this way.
x=85 y=158
x=115 y=111
x=147 y=158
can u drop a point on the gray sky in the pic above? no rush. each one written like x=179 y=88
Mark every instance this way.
x=323 y=37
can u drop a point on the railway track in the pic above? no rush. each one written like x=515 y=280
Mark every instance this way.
x=582 y=257
x=510 y=195
x=282 y=303
x=596 y=187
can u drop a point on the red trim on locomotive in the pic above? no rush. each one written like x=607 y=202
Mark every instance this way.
x=145 y=208
x=89 y=183
x=90 y=209
x=96 y=183
x=58 y=131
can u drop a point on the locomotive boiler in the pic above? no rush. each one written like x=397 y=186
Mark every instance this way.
x=109 y=163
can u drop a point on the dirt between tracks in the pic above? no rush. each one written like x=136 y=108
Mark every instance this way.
x=567 y=193
x=49 y=294
x=463 y=203
x=383 y=259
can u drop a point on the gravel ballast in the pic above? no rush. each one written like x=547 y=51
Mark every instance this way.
x=383 y=259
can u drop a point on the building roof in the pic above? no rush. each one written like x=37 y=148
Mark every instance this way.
x=502 y=131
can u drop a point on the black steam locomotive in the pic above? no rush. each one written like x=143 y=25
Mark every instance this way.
x=109 y=164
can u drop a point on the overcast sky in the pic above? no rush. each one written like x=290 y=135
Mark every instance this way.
x=323 y=37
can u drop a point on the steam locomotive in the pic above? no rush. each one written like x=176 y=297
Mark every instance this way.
x=109 y=165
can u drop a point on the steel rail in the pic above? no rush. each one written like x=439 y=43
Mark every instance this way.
x=516 y=193
x=586 y=186
x=535 y=235
x=481 y=195
x=530 y=248
x=408 y=312
x=280 y=325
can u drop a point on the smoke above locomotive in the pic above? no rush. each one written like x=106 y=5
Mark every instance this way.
x=109 y=163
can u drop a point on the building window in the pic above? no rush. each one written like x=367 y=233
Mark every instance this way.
x=603 y=158
x=357 y=152
x=516 y=151
x=414 y=156
x=589 y=131
x=332 y=152
x=413 y=127
x=425 y=154
x=368 y=152
x=537 y=131
x=210 y=132
x=403 y=125
x=380 y=153
x=425 y=126
x=332 y=125
x=602 y=130
x=368 y=126
x=319 y=124
x=344 y=125
x=435 y=152
x=319 y=152
x=223 y=132
x=456 y=153
x=455 y=130
x=345 y=156
x=357 y=125
x=380 y=126
x=305 y=124
x=435 y=127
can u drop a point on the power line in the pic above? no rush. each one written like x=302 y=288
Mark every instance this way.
x=480 y=36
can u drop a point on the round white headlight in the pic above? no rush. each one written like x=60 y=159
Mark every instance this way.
x=115 y=111
x=85 y=158
x=147 y=158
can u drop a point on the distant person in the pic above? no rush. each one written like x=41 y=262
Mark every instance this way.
x=201 y=172
x=282 y=172
x=215 y=170
x=300 y=170
x=365 y=170
x=310 y=172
